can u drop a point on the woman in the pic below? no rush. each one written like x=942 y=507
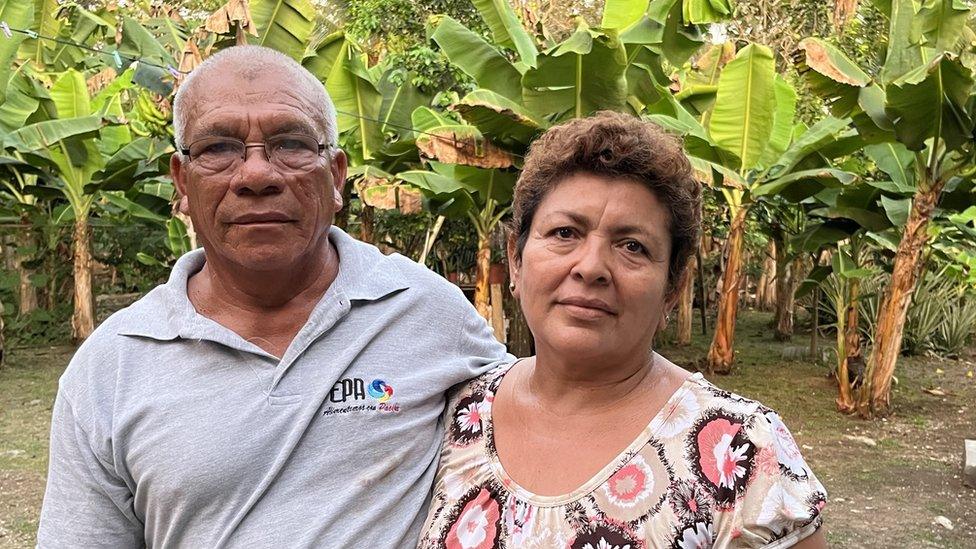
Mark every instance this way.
x=597 y=441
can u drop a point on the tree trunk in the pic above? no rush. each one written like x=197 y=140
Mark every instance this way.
x=848 y=345
x=366 y=224
x=481 y=295
x=843 y=11
x=28 y=292
x=83 y=319
x=721 y=354
x=702 y=296
x=3 y=347
x=686 y=301
x=815 y=324
x=783 y=316
x=874 y=395
x=766 y=288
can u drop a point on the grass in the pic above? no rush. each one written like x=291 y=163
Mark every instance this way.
x=882 y=496
x=28 y=384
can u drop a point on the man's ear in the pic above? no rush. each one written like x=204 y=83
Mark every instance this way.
x=178 y=173
x=338 y=167
x=514 y=264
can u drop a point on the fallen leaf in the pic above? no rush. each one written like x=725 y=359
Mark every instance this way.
x=862 y=439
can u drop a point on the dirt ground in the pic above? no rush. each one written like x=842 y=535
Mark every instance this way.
x=883 y=495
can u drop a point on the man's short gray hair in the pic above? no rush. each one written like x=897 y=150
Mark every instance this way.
x=246 y=60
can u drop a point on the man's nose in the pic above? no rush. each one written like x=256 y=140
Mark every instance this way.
x=256 y=175
x=592 y=264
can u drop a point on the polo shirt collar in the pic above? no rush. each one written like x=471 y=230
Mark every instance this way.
x=165 y=313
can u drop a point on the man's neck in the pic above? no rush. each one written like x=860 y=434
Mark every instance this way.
x=266 y=307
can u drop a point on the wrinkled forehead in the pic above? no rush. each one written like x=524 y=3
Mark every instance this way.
x=228 y=103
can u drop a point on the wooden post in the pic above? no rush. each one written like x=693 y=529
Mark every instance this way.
x=498 y=312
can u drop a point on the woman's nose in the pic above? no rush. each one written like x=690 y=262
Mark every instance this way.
x=592 y=259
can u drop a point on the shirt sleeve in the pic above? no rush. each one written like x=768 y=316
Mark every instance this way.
x=477 y=349
x=85 y=504
x=783 y=499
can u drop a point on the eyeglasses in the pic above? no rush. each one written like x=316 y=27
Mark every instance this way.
x=288 y=152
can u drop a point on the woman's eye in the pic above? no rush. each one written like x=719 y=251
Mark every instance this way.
x=563 y=232
x=635 y=247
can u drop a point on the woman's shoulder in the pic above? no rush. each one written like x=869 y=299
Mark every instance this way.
x=746 y=460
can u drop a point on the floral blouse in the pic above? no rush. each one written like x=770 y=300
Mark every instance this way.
x=711 y=469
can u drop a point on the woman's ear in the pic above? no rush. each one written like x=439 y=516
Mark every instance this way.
x=514 y=265
x=670 y=301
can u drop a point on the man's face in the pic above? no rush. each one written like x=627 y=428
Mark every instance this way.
x=255 y=214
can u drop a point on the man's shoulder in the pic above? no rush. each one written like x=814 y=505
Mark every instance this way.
x=421 y=281
x=98 y=358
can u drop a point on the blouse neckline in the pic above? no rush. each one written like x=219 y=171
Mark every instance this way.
x=597 y=480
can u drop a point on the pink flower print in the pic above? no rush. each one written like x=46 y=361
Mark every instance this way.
x=719 y=460
x=631 y=484
x=477 y=525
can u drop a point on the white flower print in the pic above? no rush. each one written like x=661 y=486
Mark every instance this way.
x=787 y=452
x=698 y=536
x=469 y=418
x=781 y=509
x=604 y=544
x=727 y=459
x=677 y=417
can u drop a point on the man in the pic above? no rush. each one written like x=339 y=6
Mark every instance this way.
x=285 y=387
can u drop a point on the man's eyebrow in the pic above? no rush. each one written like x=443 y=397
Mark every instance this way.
x=293 y=126
x=219 y=129
x=224 y=129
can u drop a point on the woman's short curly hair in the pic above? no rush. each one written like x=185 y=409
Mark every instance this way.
x=614 y=145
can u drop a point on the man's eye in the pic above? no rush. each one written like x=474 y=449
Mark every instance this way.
x=290 y=145
x=218 y=148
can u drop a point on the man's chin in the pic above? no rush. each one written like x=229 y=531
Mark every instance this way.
x=266 y=258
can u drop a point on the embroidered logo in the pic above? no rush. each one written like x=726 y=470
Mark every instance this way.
x=379 y=390
x=349 y=394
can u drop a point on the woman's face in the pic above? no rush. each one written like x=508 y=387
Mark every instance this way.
x=593 y=275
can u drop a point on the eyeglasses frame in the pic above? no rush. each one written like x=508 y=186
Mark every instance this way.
x=185 y=151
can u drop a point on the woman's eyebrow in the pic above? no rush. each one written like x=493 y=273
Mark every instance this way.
x=576 y=218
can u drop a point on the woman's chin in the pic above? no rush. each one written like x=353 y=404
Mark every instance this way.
x=580 y=345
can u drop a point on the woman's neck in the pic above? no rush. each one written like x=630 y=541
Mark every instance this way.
x=570 y=388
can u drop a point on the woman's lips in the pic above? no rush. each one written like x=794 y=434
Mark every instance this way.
x=588 y=308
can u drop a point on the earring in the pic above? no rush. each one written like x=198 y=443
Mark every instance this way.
x=511 y=286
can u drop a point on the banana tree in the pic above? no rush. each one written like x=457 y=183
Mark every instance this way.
x=481 y=195
x=83 y=148
x=374 y=121
x=922 y=99
x=754 y=151
x=521 y=91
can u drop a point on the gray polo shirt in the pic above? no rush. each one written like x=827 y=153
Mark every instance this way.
x=170 y=430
